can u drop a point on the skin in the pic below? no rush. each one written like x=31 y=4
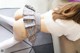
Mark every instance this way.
x=18 y=15
x=16 y=28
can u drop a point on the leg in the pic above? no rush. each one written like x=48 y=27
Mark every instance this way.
x=8 y=43
x=8 y=20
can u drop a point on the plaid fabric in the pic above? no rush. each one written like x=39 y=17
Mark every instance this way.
x=30 y=18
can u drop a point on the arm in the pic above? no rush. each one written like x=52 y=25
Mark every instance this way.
x=43 y=26
x=17 y=29
x=19 y=14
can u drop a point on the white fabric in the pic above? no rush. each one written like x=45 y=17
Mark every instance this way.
x=59 y=27
x=53 y=28
x=72 y=29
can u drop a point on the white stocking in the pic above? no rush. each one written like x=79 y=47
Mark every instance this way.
x=9 y=42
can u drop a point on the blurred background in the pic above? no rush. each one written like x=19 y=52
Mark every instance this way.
x=40 y=5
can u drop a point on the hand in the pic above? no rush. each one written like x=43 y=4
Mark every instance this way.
x=18 y=14
x=20 y=33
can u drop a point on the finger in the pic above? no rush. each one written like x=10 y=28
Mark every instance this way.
x=18 y=14
x=19 y=30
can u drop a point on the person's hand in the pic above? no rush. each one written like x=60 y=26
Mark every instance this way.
x=19 y=30
x=18 y=14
